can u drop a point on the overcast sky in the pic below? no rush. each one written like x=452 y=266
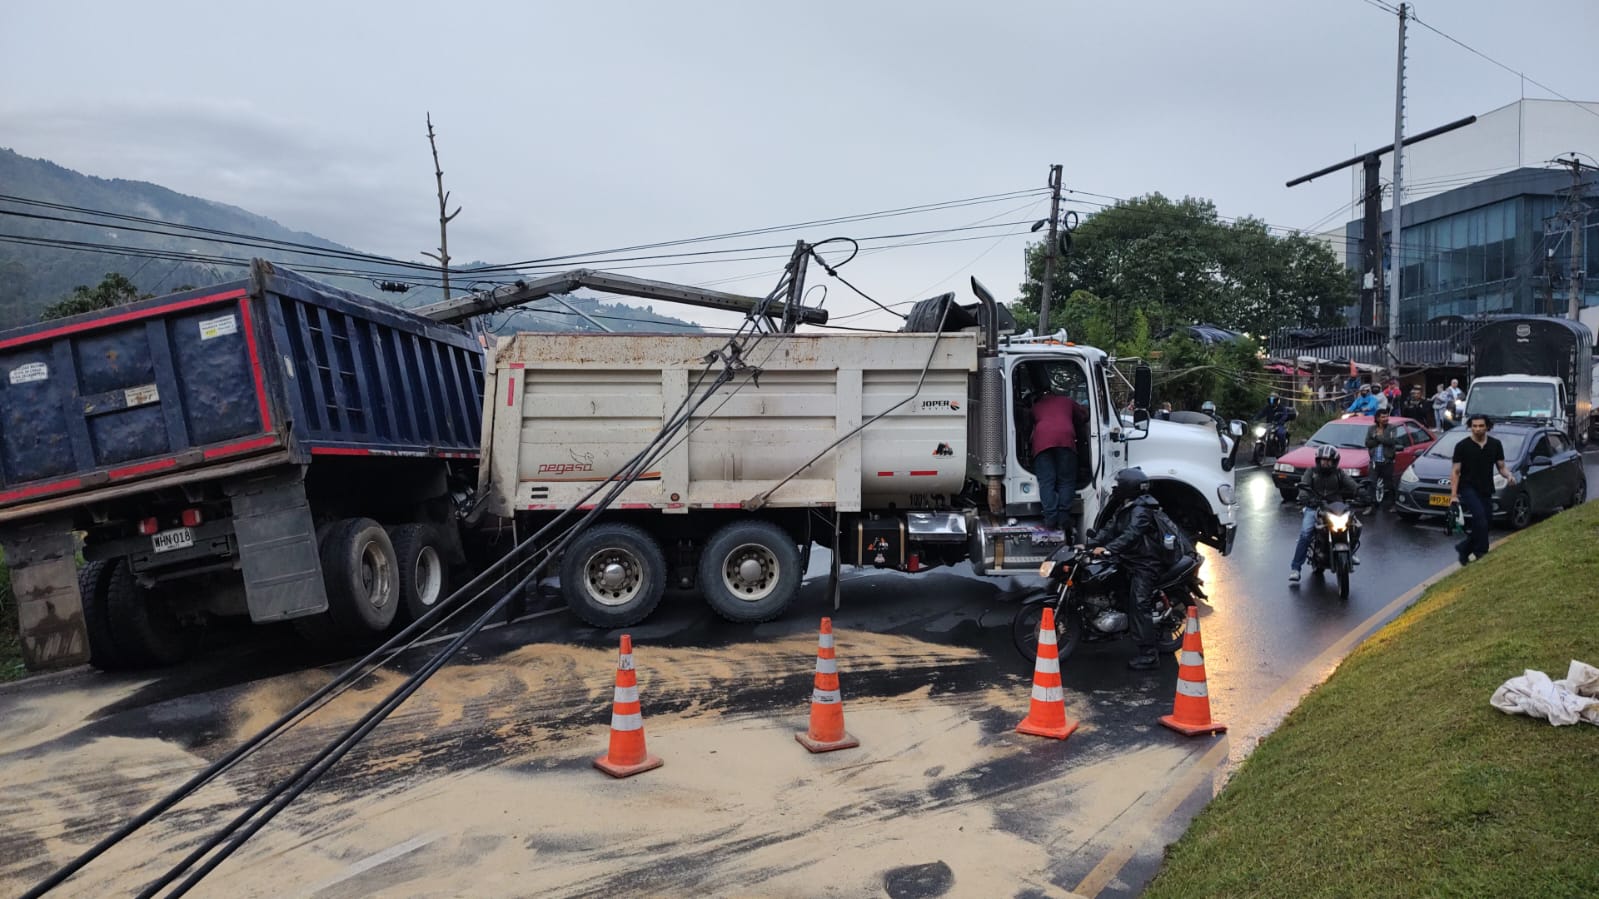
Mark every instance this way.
x=574 y=127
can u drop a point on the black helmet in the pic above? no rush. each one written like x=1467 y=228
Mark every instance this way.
x=1131 y=481
x=1271 y=400
x=1326 y=457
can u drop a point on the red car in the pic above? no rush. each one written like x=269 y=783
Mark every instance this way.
x=1349 y=435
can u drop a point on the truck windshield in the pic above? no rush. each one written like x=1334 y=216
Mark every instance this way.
x=1512 y=400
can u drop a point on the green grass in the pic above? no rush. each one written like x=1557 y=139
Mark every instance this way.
x=10 y=645
x=1397 y=778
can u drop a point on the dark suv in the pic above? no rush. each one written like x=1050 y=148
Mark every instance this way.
x=1549 y=475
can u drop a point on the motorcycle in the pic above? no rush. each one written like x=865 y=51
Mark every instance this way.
x=1333 y=544
x=1088 y=592
x=1271 y=439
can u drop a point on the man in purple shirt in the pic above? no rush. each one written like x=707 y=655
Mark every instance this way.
x=1056 y=418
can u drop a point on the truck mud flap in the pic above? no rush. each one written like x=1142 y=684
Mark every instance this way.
x=277 y=547
x=42 y=556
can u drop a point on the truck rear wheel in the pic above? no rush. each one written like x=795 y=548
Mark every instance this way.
x=613 y=575
x=362 y=578
x=749 y=571
x=144 y=624
x=424 y=576
x=94 y=579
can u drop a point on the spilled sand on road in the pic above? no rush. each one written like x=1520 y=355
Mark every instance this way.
x=738 y=808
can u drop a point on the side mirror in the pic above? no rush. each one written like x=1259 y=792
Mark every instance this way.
x=1090 y=533
x=1143 y=386
x=1236 y=427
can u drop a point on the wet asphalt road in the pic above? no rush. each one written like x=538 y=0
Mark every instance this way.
x=1265 y=644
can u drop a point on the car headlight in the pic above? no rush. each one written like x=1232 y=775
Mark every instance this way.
x=1338 y=522
x=1224 y=492
x=1499 y=481
x=1410 y=476
x=1283 y=466
x=1047 y=568
x=1352 y=472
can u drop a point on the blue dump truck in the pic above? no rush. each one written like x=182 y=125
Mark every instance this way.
x=272 y=447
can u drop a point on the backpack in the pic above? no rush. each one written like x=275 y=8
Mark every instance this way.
x=1182 y=544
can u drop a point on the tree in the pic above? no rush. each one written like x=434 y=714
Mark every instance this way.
x=1180 y=264
x=113 y=290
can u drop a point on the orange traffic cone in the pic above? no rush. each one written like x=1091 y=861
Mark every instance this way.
x=1047 y=715
x=627 y=755
x=827 y=704
x=1190 y=712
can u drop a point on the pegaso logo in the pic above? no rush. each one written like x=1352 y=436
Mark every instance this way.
x=941 y=405
x=580 y=462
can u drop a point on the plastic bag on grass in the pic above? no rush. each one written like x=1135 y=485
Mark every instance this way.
x=1568 y=701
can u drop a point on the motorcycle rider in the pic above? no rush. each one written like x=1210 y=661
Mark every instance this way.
x=1277 y=414
x=1133 y=535
x=1323 y=482
x=1366 y=403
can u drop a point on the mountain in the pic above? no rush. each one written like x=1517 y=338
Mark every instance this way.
x=47 y=250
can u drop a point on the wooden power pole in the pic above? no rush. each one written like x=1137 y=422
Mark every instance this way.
x=443 y=255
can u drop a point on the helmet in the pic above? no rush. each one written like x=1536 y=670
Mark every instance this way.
x=1326 y=457
x=1271 y=400
x=1131 y=481
x=1207 y=406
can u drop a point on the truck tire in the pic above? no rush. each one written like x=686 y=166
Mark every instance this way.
x=424 y=576
x=94 y=579
x=749 y=571
x=613 y=575
x=362 y=578
x=143 y=624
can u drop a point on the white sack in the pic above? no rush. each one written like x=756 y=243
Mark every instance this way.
x=1567 y=701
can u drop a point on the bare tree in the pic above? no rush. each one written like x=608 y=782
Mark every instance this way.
x=443 y=255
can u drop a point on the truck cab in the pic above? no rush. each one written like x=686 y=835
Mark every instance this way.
x=1189 y=465
x=1531 y=398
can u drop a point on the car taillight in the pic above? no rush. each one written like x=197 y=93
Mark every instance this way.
x=149 y=526
x=191 y=518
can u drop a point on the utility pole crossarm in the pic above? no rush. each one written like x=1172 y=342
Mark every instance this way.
x=461 y=308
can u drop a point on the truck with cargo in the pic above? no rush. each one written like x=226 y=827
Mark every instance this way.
x=272 y=447
x=901 y=451
x=1535 y=368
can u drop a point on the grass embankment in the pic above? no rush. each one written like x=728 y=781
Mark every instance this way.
x=1397 y=778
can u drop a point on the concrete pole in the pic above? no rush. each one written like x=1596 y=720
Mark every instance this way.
x=1399 y=160
x=1049 y=251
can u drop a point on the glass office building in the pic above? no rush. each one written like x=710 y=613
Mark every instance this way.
x=1493 y=246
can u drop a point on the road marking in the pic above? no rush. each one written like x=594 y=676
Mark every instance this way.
x=1110 y=866
x=372 y=861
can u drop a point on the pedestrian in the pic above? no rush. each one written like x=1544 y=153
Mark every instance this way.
x=1382 y=443
x=1471 y=484
x=1352 y=386
x=1443 y=409
x=1164 y=414
x=1415 y=407
x=1321 y=396
x=1390 y=394
x=1056 y=420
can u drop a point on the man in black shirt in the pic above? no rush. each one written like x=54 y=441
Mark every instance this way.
x=1471 y=483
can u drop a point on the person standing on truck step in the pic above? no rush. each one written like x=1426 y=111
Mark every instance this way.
x=1471 y=483
x=1056 y=418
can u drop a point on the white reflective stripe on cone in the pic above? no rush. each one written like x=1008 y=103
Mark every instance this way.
x=1046 y=636
x=1191 y=659
x=826 y=642
x=1049 y=694
x=827 y=697
x=627 y=694
x=826 y=666
x=625 y=663
x=627 y=722
x=1047 y=666
x=1192 y=688
x=1192 y=627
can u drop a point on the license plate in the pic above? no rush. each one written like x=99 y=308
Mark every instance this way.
x=1438 y=499
x=166 y=541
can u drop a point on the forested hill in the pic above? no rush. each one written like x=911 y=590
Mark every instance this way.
x=46 y=251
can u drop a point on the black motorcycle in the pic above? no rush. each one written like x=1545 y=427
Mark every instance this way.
x=1334 y=542
x=1087 y=593
x=1271 y=439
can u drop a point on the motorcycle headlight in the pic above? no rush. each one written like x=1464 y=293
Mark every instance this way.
x=1260 y=430
x=1410 y=476
x=1047 y=568
x=1338 y=522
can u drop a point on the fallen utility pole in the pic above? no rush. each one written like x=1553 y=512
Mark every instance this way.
x=461 y=308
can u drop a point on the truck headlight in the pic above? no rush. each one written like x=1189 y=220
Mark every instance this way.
x=1224 y=493
x=1410 y=476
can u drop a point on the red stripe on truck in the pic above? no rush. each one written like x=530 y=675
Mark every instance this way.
x=119 y=319
x=510 y=392
x=924 y=474
x=142 y=468
x=40 y=489
x=241 y=447
x=885 y=474
x=255 y=365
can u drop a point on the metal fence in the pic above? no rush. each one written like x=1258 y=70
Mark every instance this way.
x=1427 y=344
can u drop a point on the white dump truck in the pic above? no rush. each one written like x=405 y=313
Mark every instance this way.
x=903 y=451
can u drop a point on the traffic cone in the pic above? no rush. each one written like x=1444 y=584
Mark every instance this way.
x=1190 y=712
x=1047 y=715
x=827 y=704
x=627 y=755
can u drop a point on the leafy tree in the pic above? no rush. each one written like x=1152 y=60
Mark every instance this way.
x=113 y=290
x=1180 y=264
